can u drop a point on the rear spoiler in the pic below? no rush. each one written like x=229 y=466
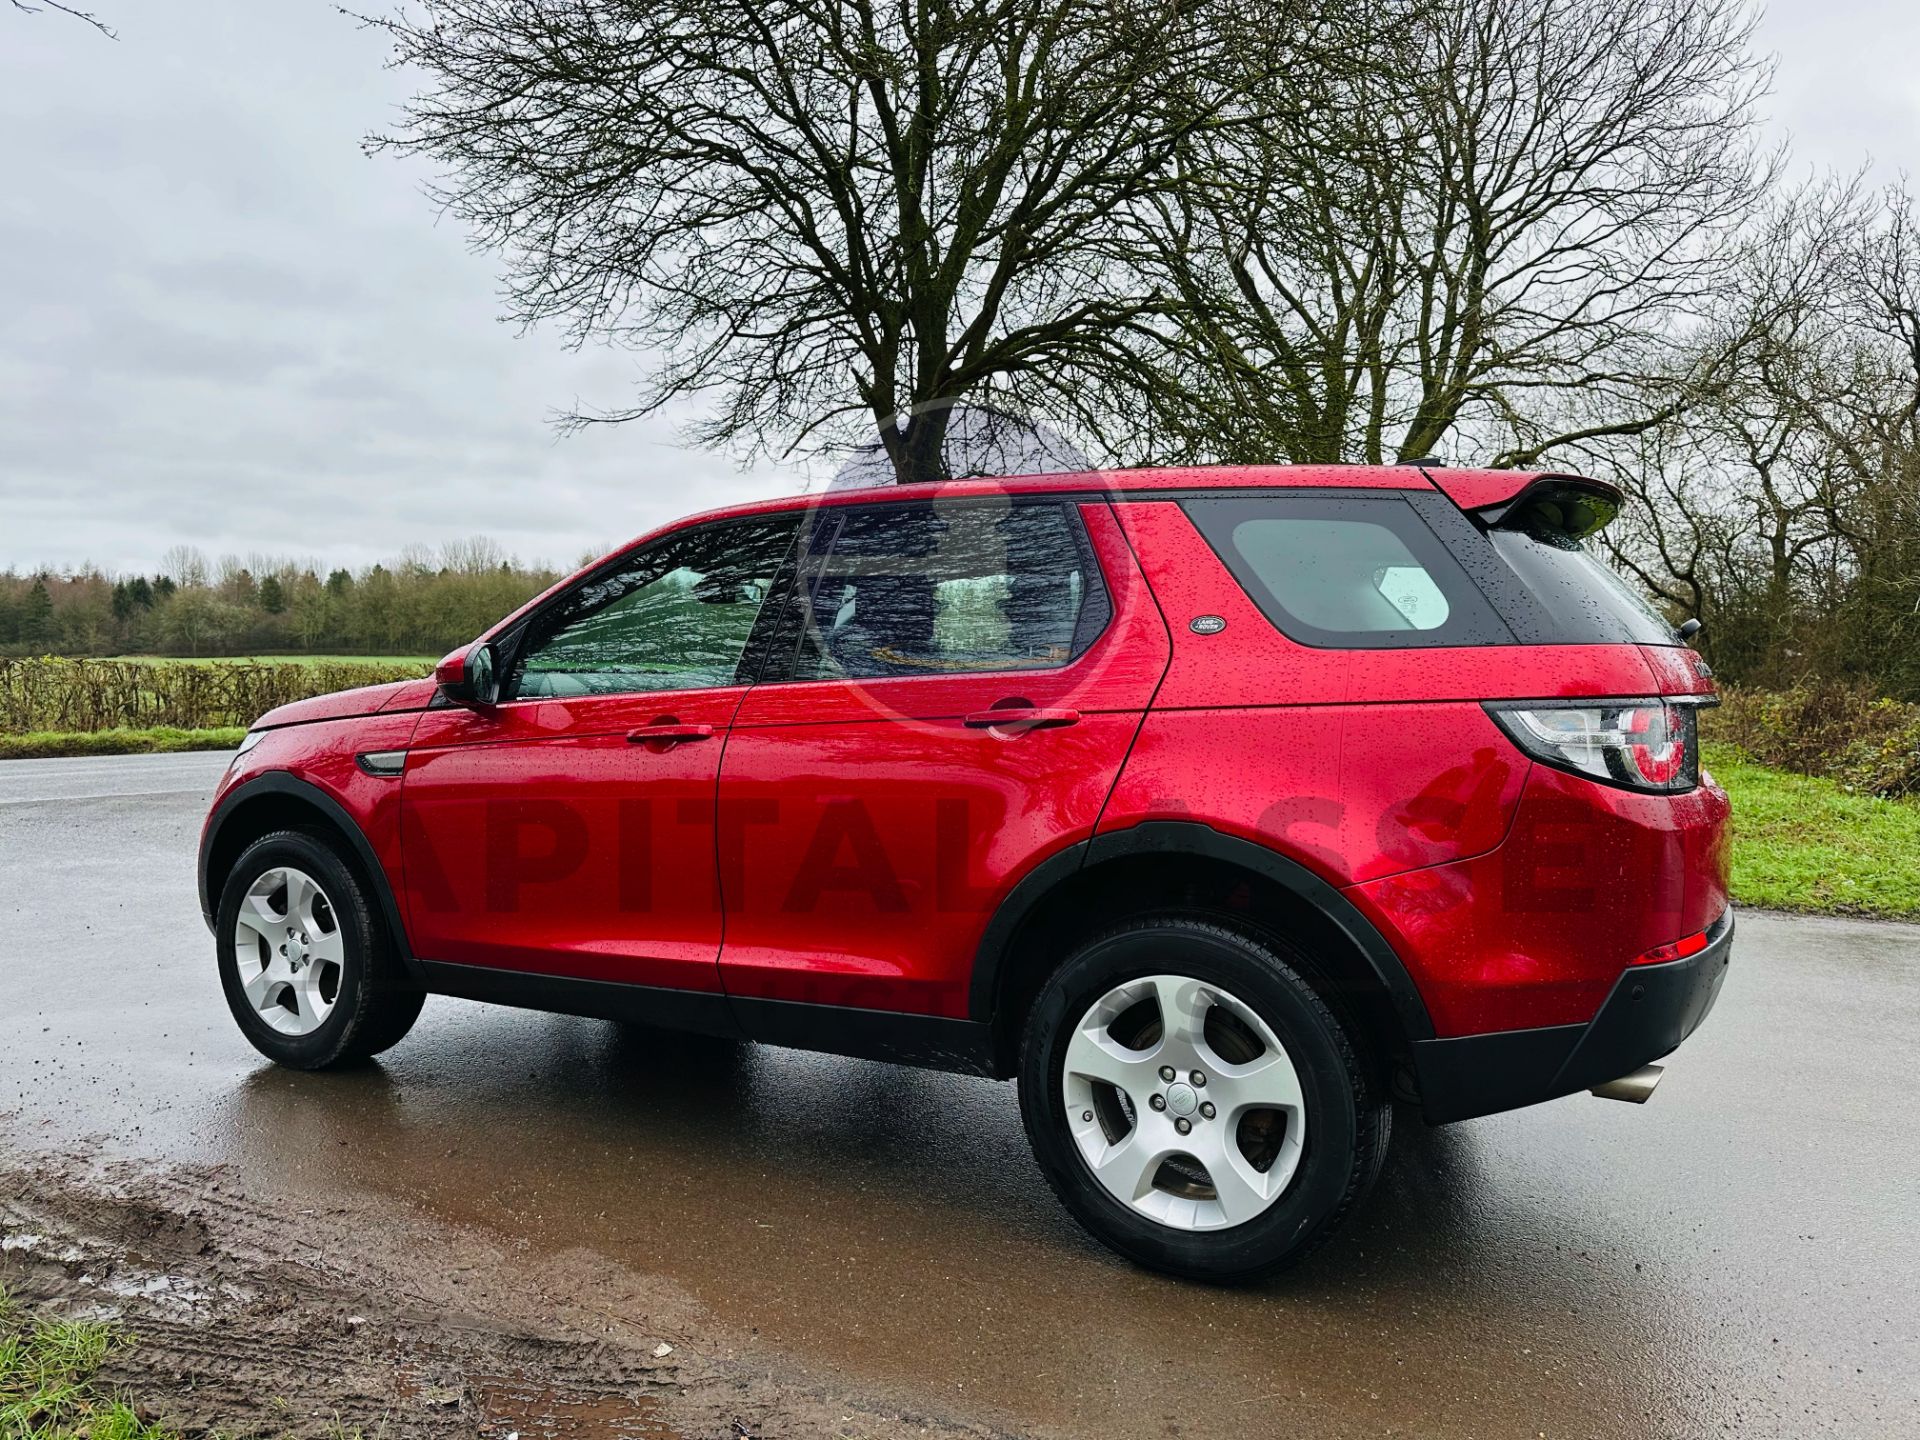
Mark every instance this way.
x=1574 y=505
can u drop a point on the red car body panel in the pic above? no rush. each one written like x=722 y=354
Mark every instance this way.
x=1248 y=663
x=322 y=753
x=539 y=838
x=845 y=886
x=411 y=695
x=1498 y=672
x=1537 y=931
x=1677 y=671
x=1350 y=792
x=851 y=845
x=868 y=833
x=350 y=704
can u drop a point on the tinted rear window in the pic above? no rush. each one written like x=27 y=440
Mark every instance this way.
x=1589 y=603
x=1359 y=572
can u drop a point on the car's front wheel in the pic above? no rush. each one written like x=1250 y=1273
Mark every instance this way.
x=308 y=968
x=1195 y=1103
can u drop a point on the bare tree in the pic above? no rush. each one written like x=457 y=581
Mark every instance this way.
x=85 y=16
x=1501 y=226
x=1784 y=508
x=185 y=566
x=836 y=216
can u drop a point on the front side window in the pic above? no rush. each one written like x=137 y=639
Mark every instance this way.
x=947 y=588
x=1347 y=571
x=674 y=616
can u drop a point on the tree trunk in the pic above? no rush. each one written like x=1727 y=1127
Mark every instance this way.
x=919 y=451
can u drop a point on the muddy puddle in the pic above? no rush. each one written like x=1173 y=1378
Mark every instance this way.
x=273 y=1320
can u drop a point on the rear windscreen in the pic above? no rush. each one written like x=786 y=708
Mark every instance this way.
x=1587 y=601
x=1347 y=571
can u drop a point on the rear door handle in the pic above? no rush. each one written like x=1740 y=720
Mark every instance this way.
x=670 y=732
x=1023 y=717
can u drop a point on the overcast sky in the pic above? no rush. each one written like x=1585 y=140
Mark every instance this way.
x=222 y=325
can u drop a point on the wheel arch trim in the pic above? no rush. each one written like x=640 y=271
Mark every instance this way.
x=282 y=785
x=1192 y=838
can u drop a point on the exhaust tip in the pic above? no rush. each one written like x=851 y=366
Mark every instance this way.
x=1635 y=1089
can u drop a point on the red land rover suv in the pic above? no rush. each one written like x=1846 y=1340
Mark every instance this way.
x=1217 y=806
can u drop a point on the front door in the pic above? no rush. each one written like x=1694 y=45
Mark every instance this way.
x=568 y=830
x=962 y=681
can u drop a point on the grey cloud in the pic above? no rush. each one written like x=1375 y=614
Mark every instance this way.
x=220 y=324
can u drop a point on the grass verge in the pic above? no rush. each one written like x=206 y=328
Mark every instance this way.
x=46 y=1381
x=424 y=663
x=43 y=744
x=1806 y=844
x=47 y=1386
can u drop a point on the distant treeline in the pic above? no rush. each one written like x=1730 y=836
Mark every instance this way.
x=424 y=602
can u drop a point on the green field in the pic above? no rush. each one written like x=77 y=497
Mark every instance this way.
x=425 y=662
x=159 y=740
x=1801 y=843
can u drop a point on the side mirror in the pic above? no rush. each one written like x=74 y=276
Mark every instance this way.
x=467 y=676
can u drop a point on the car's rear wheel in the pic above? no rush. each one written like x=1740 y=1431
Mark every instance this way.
x=1195 y=1103
x=308 y=969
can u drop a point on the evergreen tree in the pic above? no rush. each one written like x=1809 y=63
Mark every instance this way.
x=273 y=598
x=36 y=615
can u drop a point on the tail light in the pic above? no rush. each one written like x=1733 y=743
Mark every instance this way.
x=1639 y=744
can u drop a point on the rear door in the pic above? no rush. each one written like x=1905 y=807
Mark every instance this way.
x=955 y=689
x=569 y=829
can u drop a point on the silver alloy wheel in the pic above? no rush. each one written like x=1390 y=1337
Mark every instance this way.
x=1191 y=1137
x=289 y=951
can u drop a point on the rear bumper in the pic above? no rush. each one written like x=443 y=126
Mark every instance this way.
x=1651 y=1009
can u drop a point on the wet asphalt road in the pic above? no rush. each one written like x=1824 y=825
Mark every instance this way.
x=1738 y=1257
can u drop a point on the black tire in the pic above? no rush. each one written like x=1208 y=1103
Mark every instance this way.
x=1347 y=1115
x=374 y=1004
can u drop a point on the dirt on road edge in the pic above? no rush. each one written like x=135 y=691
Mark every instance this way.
x=255 y=1318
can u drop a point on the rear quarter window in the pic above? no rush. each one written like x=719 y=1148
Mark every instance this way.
x=1347 y=571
